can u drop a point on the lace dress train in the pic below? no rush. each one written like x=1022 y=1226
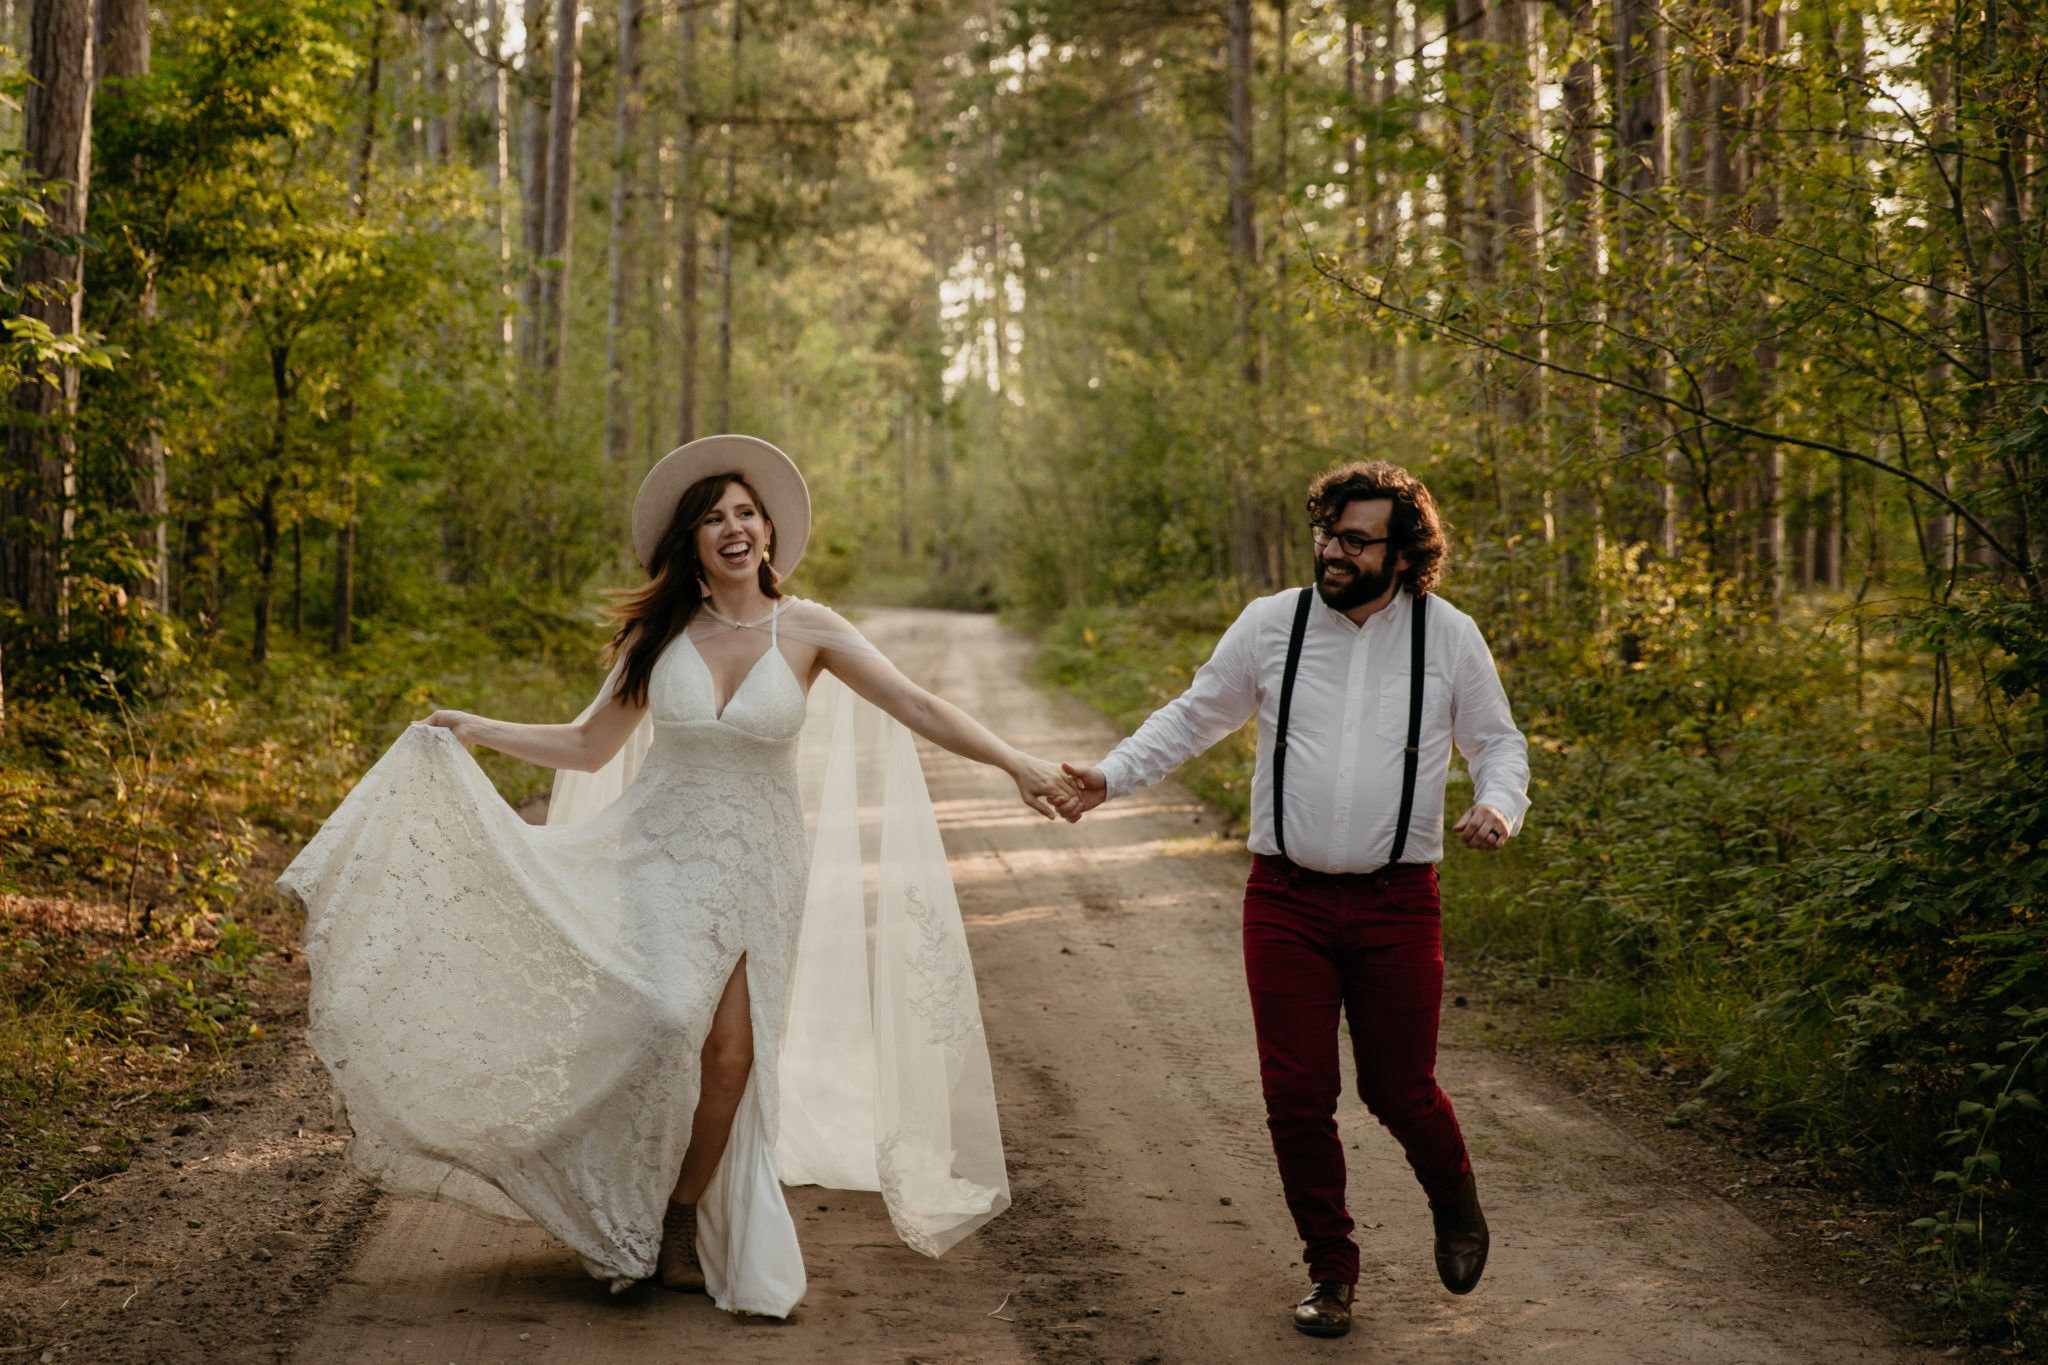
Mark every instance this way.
x=513 y=1015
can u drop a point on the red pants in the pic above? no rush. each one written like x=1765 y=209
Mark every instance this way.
x=1370 y=944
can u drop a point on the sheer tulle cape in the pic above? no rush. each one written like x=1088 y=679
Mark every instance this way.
x=886 y=1083
x=883 y=1068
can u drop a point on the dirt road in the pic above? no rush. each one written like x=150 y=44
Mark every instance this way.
x=1148 y=1225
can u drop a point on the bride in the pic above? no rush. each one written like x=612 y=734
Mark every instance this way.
x=584 y=1024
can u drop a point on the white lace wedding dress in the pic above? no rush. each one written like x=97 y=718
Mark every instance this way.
x=513 y=1015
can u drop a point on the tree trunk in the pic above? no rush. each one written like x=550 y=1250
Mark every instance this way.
x=1244 y=235
x=121 y=51
x=266 y=569
x=533 y=176
x=501 y=160
x=1578 y=187
x=343 y=624
x=1642 y=97
x=1274 y=353
x=689 y=266
x=434 y=68
x=1456 y=139
x=1383 y=203
x=343 y=632
x=561 y=186
x=57 y=125
x=121 y=39
x=1642 y=109
x=686 y=217
x=1354 y=146
x=281 y=388
x=1465 y=54
x=732 y=166
x=298 y=573
x=1518 y=27
x=625 y=146
x=1771 y=39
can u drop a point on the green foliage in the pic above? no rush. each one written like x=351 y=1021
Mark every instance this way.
x=86 y=1019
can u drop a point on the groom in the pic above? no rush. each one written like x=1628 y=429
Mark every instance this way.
x=1340 y=913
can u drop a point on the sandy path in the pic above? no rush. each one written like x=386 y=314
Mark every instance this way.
x=1148 y=1225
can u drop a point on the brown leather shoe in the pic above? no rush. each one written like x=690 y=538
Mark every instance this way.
x=1461 y=1238
x=1327 y=1311
x=676 y=1265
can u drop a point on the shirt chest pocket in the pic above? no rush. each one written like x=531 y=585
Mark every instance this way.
x=1436 y=705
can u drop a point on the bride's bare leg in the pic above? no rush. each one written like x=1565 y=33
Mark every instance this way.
x=727 y=1060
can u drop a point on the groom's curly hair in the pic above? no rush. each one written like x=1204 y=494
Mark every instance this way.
x=1413 y=529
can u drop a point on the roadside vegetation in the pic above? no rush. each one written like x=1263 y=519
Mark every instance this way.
x=1716 y=329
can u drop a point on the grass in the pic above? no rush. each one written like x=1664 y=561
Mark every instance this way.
x=100 y=1032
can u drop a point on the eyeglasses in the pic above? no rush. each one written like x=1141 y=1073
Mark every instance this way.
x=1353 y=543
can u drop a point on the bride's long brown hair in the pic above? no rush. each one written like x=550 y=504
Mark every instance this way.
x=646 y=618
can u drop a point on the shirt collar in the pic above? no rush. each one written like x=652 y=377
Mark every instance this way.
x=1395 y=611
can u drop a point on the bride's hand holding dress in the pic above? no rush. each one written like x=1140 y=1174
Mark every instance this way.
x=579 y=746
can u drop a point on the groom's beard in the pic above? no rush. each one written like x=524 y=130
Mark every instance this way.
x=1343 y=586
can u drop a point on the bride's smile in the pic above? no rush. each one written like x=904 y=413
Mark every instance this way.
x=733 y=535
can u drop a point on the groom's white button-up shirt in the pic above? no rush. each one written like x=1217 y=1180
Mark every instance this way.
x=1347 y=729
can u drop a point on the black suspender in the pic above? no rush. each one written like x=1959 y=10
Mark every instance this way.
x=1301 y=606
x=1414 y=754
x=1416 y=634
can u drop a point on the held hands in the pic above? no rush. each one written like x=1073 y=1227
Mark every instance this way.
x=1482 y=827
x=1044 y=787
x=1091 y=790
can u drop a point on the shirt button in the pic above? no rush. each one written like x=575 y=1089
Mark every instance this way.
x=1349 y=728
x=1345 y=773
x=1340 y=819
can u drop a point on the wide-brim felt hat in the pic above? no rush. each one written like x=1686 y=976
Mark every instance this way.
x=772 y=475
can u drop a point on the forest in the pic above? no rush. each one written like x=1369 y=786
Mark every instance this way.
x=339 y=332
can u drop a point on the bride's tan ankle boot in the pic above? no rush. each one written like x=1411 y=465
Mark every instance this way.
x=676 y=1267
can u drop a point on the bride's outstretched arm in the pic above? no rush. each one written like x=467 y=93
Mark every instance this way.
x=583 y=746
x=1043 y=786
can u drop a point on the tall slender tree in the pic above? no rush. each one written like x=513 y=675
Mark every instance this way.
x=121 y=51
x=37 y=506
x=501 y=152
x=434 y=72
x=732 y=192
x=625 y=193
x=533 y=176
x=361 y=176
x=1642 y=112
x=689 y=268
x=561 y=201
x=1244 y=229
